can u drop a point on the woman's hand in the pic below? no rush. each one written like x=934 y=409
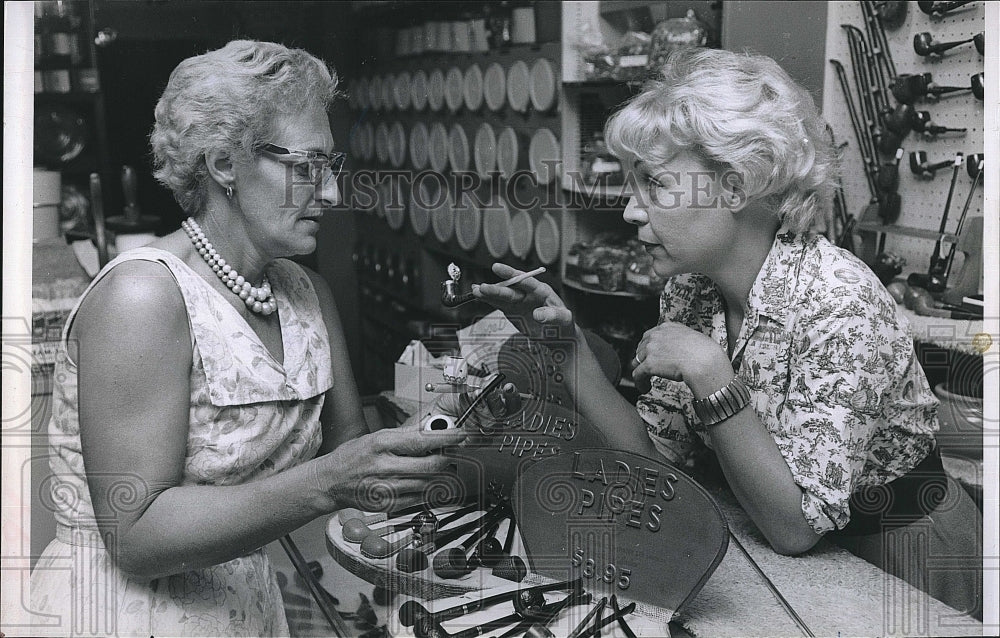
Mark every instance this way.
x=388 y=469
x=675 y=351
x=531 y=304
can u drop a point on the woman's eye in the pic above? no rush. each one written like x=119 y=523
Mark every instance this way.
x=653 y=182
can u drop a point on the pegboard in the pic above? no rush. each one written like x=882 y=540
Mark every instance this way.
x=922 y=200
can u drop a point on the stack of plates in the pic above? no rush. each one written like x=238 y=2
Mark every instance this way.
x=473 y=89
x=367 y=141
x=362 y=91
x=496 y=229
x=382 y=142
x=547 y=239
x=458 y=148
x=375 y=93
x=437 y=150
x=435 y=90
x=544 y=155
x=418 y=145
x=420 y=214
x=401 y=91
x=443 y=221
x=507 y=150
x=485 y=150
x=519 y=86
x=418 y=90
x=543 y=85
x=388 y=88
x=468 y=222
x=494 y=87
x=454 y=89
x=395 y=205
x=522 y=232
x=397 y=145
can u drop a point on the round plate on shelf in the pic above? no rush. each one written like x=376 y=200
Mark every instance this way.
x=443 y=220
x=522 y=232
x=473 y=88
x=362 y=94
x=437 y=149
x=435 y=90
x=397 y=144
x=418 y=145
x=420 y=214
x=519 y=86
x=458 y=148
x=388 y=90
x=454 y=89
x=382 y=142
x=507 y=150
x=401 y=91
x=485 y=151
x=367 y=132
x=495 y=87
x=544 y=155
x=395 y=206
x=418 y=90
x=468 y=222
x=496 y=228
x=547 y=239
x=375 y=93
x=543 y=85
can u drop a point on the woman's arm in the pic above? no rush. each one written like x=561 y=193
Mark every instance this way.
x=538 y=308
x=754 y=467
x=342 y=416
x=134 y=361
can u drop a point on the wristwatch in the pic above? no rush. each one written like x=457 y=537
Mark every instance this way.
x=722 y=404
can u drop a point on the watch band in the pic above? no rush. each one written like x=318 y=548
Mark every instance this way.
x=722 y=404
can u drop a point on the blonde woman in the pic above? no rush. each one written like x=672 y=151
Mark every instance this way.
x=780 y=353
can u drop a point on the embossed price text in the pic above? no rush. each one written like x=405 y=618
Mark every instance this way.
x=609 y=574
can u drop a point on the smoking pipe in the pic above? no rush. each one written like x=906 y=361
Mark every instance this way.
x=415 y=559
x=892 y=13
x=348 y=513
x=454 y=561
x=922 y=123
x=925 y=45
x=451 y=298
x=412 y=612
x=920 y=167
x=907 y=88
x=973 y=165
x=356 y=530
x=938 y=9
x=976 y=81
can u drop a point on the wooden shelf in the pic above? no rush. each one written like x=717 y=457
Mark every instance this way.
x=576 y=285
x=907 y=231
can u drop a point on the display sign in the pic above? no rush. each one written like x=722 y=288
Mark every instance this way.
x=627 y=524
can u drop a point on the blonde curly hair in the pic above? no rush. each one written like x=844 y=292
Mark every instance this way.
x=227 y=99
x=742 y=113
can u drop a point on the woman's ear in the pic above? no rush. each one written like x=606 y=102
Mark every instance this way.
x=220 y=167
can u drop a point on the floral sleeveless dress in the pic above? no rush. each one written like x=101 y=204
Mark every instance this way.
x=250 y=418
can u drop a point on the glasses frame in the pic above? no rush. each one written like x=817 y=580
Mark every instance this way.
x=334 y=162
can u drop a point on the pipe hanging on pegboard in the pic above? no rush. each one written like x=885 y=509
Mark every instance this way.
x=913 y=72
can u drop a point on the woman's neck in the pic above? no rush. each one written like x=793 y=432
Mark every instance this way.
x=228 y=235
x=737 y=272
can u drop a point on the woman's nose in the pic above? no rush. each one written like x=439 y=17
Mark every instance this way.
x=328 y=193
x=634 y=213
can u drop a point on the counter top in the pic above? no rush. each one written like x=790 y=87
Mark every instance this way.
x=833 y=592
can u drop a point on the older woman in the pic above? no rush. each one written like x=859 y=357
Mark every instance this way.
x=776 y=350
x=205 y=403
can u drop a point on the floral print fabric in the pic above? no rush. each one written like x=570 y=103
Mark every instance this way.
x=250 y=417
x=831 y=370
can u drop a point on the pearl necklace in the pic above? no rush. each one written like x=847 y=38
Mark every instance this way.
x=258 y=299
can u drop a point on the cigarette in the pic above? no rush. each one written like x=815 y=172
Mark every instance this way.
x=507 y=283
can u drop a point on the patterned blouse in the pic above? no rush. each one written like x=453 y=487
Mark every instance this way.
x=831 y=370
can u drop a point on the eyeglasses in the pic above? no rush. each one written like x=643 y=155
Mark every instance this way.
x=319 y=168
